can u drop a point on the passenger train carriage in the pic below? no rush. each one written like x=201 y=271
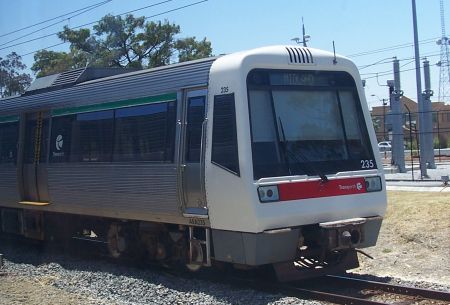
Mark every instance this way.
x=263 y=157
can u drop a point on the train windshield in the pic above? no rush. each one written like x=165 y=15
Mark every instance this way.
x=306 y=123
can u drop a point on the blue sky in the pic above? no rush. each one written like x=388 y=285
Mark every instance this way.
x=356 y=26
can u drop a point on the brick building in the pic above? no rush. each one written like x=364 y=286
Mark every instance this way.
x=440 y=114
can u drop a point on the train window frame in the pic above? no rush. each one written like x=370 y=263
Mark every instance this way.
x=11 y=125
x=194 y=129
x=71 y=145
x=278 y=80
x=220 y=140
x=167 y=138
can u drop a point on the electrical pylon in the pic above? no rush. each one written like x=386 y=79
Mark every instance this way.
x=444 y=63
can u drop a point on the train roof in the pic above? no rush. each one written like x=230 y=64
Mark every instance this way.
x=91 y=85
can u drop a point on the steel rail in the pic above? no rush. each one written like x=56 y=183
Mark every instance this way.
x=325 y=296
x=391 y=288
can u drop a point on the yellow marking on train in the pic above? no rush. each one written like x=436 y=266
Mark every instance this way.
x=34 y=203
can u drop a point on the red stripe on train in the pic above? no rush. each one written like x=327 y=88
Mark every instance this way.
x=317 y=189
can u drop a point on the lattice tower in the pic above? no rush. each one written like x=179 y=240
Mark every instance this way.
x=444 y=63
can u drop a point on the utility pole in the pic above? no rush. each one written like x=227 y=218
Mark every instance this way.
x=427 y=123
x=398 y=152
x=422 y=151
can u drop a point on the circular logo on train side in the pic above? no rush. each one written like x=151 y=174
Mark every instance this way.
x=59 y=142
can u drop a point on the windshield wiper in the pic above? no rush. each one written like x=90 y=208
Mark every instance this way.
x=284 y=147
x=299 y=157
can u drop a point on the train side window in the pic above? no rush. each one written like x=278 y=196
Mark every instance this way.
x=195 y=117
x=92 y=137
x=145 y=133
x=8 y=142
x=224 y=138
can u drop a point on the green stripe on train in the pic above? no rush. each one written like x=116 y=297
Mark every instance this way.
x=9 y=118
x=116 y=104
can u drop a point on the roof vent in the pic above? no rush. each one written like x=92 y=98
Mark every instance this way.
x=68 y=77
x=300 y=55
x=71 y=78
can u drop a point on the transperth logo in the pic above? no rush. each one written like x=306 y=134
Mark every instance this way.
x=59 y=142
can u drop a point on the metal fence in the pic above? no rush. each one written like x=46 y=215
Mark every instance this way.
x=441 y=133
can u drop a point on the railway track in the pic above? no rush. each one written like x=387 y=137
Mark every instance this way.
x=331 y=288
x=349 y=290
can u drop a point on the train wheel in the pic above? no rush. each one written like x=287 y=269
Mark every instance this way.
x=117 y=243
x=196 y=261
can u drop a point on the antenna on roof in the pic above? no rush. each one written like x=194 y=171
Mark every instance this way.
x=334 y=52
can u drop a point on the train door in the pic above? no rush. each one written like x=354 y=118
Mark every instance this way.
x=34 y=158
x=192 y=153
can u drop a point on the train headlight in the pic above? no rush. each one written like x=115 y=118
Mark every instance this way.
x=268 y=193
x=373 y=184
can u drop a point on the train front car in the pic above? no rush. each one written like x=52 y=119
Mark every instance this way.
x=292 y=174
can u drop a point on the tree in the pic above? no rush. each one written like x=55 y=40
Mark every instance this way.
x=122 y=42
x=12 y=80
x=190 y=49
x=51 y=62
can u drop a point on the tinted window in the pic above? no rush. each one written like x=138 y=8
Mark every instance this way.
x=224 y=142
x=93 y=135
x=85 y=137
x=145 y=133
x=306 y=123
x=8 y=142
x=140 y=133
x=195 y=117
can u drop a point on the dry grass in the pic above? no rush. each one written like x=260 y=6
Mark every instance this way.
x=420 y=217
x=414 y=240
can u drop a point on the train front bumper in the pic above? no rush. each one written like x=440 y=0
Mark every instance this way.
x=284 y=245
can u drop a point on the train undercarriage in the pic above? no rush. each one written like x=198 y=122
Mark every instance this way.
x=322 y=248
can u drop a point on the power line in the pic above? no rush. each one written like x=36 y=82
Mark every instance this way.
x=384 y=73
x=380 y=62
x=49 y=47
x=55 y=23
x=152 y=16
x=90 y=23
x=389 y=60
x=54 y=18
x=396 y=47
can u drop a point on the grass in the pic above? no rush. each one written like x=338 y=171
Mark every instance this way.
x=413 y=215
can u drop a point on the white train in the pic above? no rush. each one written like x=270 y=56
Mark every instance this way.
x=262 y=157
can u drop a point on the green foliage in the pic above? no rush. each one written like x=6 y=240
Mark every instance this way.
x=51 y=62
x=12 y=80
x=436 y=143
x=122 y=42
x=409 y=144
x=190 y=49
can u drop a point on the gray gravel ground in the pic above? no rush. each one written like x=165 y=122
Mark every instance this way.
x=100 y=282
x=84 y=281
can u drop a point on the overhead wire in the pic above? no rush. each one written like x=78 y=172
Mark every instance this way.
x=395 y=47
x=55 y=23
x=86 y=24
x=147 y=17
x=54 y=18
x=387 y=61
